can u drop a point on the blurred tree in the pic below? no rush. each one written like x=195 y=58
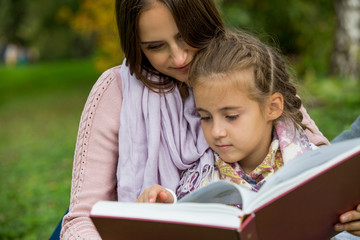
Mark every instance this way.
x=96 y=19
x=303 y=30
x=37 y=25
x=346 y=55
x=55 y=34
x=12 y=15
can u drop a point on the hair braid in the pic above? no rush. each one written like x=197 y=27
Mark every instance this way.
x=282 y=84
x=234 y=51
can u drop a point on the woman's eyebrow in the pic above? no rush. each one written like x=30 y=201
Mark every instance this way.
x=150 y=42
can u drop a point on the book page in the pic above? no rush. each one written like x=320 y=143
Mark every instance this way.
x=216 y=215
x=221 y=192
x=302 y=168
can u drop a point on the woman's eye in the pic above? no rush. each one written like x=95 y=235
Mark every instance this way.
x=154 y=47
x=232 y=117
x=180 y=38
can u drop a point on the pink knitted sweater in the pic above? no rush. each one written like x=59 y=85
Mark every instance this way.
x=96 y=154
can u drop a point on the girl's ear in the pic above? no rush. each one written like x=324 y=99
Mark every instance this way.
x=275 y=106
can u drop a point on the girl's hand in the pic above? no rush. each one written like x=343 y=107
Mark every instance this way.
x=156 y=193
x=350 y=222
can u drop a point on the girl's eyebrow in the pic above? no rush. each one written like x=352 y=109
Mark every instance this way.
x=201 y=110
x=230 y=108
x=222 y=109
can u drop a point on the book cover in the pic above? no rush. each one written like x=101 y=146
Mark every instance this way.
x=303 y=200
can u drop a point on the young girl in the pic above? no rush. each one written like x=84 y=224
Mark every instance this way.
x=249 y=111
x=250 y=115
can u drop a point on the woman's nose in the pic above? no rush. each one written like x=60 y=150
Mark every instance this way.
x=179 y=55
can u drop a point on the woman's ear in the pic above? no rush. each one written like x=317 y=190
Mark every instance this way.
x=275 y=106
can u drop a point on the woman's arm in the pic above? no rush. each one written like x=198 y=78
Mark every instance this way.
x=312 y=131
x=96 y=156
x=353 y=132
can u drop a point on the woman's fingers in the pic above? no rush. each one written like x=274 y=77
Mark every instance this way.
x=350 y=221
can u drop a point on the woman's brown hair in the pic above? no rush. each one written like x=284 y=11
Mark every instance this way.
x=235 y=51
x=197 y=21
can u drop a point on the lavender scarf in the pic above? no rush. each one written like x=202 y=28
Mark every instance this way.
x=158 y=136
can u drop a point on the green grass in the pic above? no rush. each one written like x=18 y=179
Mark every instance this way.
x=40 y=108
x=332 y=103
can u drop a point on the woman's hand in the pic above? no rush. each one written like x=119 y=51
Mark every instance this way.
x=156 y=193
x=350 y=222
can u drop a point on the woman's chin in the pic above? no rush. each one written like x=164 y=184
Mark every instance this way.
x=182 y=77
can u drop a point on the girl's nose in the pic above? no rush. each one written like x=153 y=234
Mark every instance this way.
x=218 y=131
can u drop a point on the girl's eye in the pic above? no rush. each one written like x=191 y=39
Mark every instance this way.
x=232 y=117
x=205 y=118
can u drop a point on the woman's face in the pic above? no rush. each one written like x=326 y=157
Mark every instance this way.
x=162 y=43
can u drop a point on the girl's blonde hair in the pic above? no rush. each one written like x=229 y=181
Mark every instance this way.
x=231 y=52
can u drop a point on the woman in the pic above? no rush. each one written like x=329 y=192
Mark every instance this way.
x=130 y=136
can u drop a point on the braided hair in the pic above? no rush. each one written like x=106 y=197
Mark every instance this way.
x=231 y=52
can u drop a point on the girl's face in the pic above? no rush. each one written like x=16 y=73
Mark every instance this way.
x=234 y=125
x=162 y=43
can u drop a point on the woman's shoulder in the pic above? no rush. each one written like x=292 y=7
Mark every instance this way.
x=113 y=70
x=107 y=87
x=109 y=77
x=111 y=74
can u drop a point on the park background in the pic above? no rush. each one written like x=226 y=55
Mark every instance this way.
x=52 y=52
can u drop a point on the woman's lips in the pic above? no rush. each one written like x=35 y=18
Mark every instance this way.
x=184 y=68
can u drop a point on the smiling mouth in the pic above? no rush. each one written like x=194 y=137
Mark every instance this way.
x=184 y=68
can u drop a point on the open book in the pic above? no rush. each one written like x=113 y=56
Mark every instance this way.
x=302 y=200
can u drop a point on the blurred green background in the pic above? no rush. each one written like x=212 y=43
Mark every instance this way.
x=52 y=52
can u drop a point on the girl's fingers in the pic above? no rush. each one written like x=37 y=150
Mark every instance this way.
x=155 y=193
x=166 y=197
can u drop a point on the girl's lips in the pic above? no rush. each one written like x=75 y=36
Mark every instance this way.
x=223 y=147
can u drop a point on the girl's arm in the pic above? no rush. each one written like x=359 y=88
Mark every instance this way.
x=96 y=156
x=157 y=193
